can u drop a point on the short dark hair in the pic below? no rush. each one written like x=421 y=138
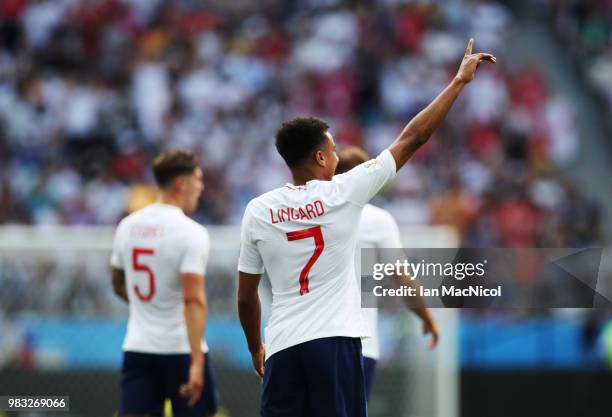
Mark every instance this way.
x=349 y=158
x=174 y=163
x=298 y=138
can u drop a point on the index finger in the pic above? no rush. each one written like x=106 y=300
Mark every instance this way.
x=468 y=49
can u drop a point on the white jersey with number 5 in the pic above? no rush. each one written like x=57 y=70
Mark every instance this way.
x=154 y=246
x=377 y=230
x=305 y=239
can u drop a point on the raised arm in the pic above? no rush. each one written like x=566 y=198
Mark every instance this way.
x=249 y=310
x=196 y=313
x=421 y=127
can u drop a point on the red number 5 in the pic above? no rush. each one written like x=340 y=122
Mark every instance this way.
x=143 y=268
x=314 y=232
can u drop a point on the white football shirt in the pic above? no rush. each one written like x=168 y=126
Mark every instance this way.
x=377 y=230
x=305 y=238
x=154 y=246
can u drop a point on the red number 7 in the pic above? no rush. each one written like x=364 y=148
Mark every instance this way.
x=314 y=232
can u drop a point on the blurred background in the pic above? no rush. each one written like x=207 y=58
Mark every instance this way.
x=92 y=90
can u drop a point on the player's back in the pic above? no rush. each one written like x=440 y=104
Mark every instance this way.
x=305 y=236
x=154 y=246
x=377 y=231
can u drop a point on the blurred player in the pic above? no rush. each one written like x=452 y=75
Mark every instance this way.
x=158 y=264
x=378 y=230
x=304 y=236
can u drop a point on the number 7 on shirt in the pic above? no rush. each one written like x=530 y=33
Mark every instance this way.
x=314 y=232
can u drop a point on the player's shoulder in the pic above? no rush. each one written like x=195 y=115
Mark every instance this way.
x=380 y=162
x=372 y=210
x=377 y=215
x=378 y=227
x=139 y=214
x=186 y=230
x=265 y=200
x=131 y=218
x=194 y=227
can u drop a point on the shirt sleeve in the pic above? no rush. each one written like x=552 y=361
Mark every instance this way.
x=250 y=259
x=116 y=259
x=196 y=253
x=364 y=181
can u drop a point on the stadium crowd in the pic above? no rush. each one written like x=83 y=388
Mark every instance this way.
x=91 y=90
x=585 y=27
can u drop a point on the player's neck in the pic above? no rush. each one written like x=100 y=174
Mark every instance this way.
x=302 y=175
x=170 y=200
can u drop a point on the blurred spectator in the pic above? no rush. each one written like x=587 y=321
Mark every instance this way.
x=584 y=27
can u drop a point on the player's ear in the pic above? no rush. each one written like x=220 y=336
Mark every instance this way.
x=179 y=184
x=320 y=158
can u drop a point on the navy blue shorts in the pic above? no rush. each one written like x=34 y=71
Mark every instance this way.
x=369 y=367
x=147 y=379
x=318 y=378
